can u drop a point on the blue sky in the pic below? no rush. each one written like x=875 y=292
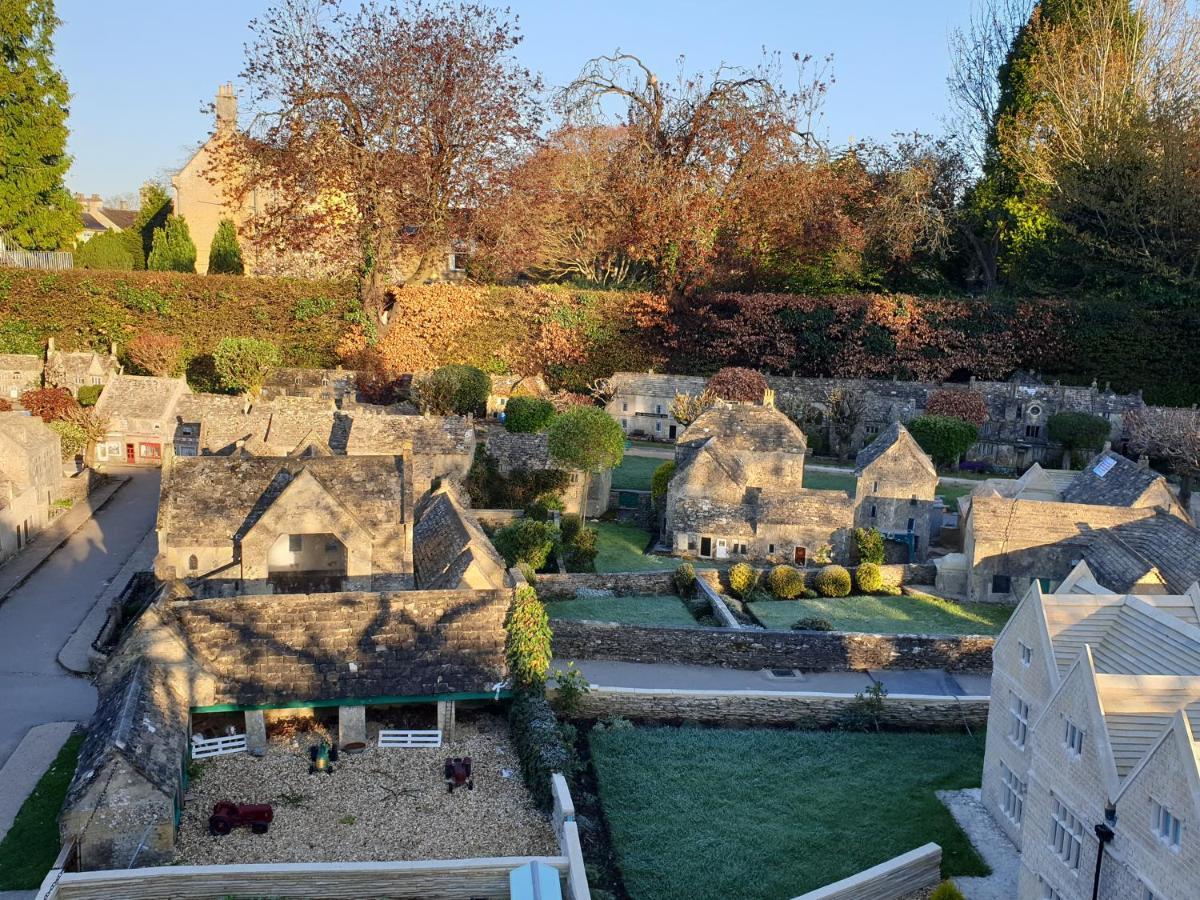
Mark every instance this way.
x=140 y=70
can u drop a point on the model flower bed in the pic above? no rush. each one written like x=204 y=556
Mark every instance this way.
x=784 y=825
x=378 y=805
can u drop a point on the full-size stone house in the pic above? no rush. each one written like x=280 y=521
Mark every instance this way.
x=1093 y=722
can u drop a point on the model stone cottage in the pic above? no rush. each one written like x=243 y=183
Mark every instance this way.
x=30 y=478
x=1119 y=516
x=738 y=490
x=641 y=402
x=1095 y=723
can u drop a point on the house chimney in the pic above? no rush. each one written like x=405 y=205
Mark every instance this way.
x=94 y=203
x=112 y=349
x=226 y=107
x=49 y=345
x=768 y=398
x=1143 y=461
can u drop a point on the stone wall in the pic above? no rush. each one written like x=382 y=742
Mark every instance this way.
x=623 y=584
x=79 y=486
x=754 y=649
x=795 y=710
x=902 y=876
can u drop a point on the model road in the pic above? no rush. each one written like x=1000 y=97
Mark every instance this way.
x=37 y=618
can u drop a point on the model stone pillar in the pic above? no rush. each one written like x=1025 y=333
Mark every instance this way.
x=256 y=731
x=352 y=725
x=445 y=719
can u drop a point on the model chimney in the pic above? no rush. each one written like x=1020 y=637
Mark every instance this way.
x=226 y=107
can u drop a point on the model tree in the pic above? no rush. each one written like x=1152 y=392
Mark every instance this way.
x=527 y=414
x=588 y=439
x=37 y=212
x=737 y=383
x=172 y=249
x=225 y=254
x=155 y=353
x=943 y=438
x=1170 y=434
x=453 y=390
x=243 y=363
x=1077 y=431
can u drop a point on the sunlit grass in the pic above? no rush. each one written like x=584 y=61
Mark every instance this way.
x=921 y=614
x=639 y=610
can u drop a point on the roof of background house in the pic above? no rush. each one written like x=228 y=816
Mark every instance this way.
x=20 y=362
x=1110 y=480
x=122 y=218
x=27 y=431
x=895 y=435
x=373 y=433
x=296 y=382
x=216 y=499
x=447 y=541
x=77 y=364
x=142 y=398
x=1138 y=708
x=298 y=421
x=219 y=422
x=832 y=509
x=652 y=384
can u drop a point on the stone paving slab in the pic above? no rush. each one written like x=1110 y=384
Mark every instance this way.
x=26 y=766
x=14 y=572
x=990 y=841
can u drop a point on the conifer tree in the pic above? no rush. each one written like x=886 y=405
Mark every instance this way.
x=152 y=214
x=172 y=249
x=225 y=254
x=37 y=211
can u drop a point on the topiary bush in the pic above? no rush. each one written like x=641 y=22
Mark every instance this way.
x=943 y=438
x=453 y=390
x=743 y=579
x=527 y=414
x=833 y=581
x=870 y=578
x=88 y=394
x=869 y=544
x=786 y=582
x=684 y=579
x=527 y=643
x=526 y=540
x=812 y=624
x=809 y=594
x=242 y=363
x=661 y=480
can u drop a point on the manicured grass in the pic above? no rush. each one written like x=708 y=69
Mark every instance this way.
x=828 y=481
x=619 y=549
x=638 y=610
x=634 y=473
x=888 y=615
x=30 y=846
x=702 y=814
x=951 y=492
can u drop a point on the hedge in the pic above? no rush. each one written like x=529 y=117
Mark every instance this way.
x=538 y=743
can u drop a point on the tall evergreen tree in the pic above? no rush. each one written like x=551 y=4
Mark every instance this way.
x=152 y=215
x=37 y=211
x=225 y=254
x=172 y=249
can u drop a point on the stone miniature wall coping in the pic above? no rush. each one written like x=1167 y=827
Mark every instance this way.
x=753 y=649
x=720 y=610
x=900 y=876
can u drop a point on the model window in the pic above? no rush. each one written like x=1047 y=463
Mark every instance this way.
x=1032 y=431
x=1073 y=738
x=1001 y=584
x=1026 y=654
x=1166 y=826
x=295 y=543
x=770 y=548
x=1066 y=835
x=1018 y=721
x=912 y=525
x=193 y=563
x=1012 y=794
x=624 y=407
x=872 y=510
x=658 y=409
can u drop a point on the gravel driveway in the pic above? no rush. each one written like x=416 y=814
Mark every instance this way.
x=379 y=805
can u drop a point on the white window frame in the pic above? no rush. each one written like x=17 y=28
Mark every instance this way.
x=1012 y=794
x=1026 y=653
x=1072 y=738
x=1066 y=834
x=1167 y=827
x=1018 y=720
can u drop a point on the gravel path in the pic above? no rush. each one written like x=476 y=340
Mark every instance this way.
x=379 y=805
x=991 y=843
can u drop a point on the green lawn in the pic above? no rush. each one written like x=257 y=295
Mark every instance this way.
x=619 y=549
x=30 y=846
x=831 y=481
x=634 y=473
x=637 y=610
x=888 y=615
x=707 y=814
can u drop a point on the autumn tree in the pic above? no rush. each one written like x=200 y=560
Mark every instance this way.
x=375 y=127
x=968 y=406
x=51 y=404
x=1169 y=434
x=155 y=353
x=739 y=384
x=588 y=439
x=687 y=408
x=37 y=211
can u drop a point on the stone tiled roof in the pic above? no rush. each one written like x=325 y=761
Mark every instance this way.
x=746 y=427
x=376 y=433
x=507 y=385
x=1139 y=708
x=288 y=648
x=132 y=402
x=650 y=384
x=213 y=499
x=1124 y=553
x=122 y=218
x=78 y=364
x=448 y=542
x=519 y=451
x=296 y=422
x=1110 y=480
x=894 y=436
x=20 y=362
x=833 y=509
x=214 y=423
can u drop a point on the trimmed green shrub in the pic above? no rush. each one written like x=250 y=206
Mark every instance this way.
x=587 y=438
x=242 y=363
x=581 y=550
x=812 y=624
x=786 y=582
x=946 y=891
x=1078 y=430
x=74 y=439
x=526 y=415
x=661 y=480
x=104 y=251
x=527 y=645
x=172 y=249
x=528 y=573
x=526 y=540
x=89 y=394
x=870 y=578
x=569 y=526
x=684 y=579
x=743 y=579
x=809 y=594
x=453 y=390
x=833 y=581
x=869 y=544
x=943 y=438
x=537 y=740
x=225 y=253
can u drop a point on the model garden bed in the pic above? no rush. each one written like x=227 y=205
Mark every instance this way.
x=764 y=815
x=904 y=614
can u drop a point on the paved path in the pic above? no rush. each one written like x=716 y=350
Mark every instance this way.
x=37 y=618
x=992 y=844
x=933 y=682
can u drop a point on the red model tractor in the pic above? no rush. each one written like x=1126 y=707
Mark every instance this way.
x=227 y=816
x=457 y=773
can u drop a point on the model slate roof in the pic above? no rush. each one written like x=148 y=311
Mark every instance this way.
x=802 y=509
x=892 y=436
x=1127 y=634
x=1110 y=480
x=376 y=433
x=1161 y=542
x=136 y=402
x=742 y=427
x=215 y=423
x=213 y=499
x=650 y=384
x=507 y=385
x=1137 y=709
x=20 y=362
x=448 y=542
